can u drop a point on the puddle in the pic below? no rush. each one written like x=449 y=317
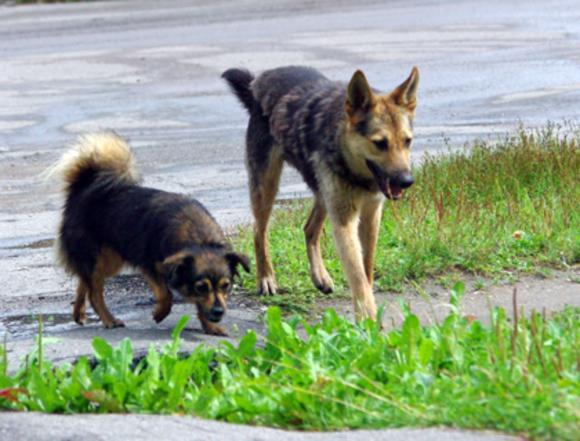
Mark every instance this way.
x=19 y=245
x=23 y=325
x=44 y=243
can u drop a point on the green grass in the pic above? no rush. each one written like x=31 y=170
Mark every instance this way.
x=486 y=209
x=520 y=375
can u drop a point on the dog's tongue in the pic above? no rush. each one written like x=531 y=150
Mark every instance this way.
x=390 y=191
x=383 y=180
x=396 y=193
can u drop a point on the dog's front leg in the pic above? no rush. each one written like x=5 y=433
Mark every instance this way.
x=368 y=231
x=162 y=295
x=312 y=232
x=209 y=327
x=346 y=239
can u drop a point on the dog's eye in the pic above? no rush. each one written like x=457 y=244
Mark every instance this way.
x=381 y=144
x=408 y=142
x=202 y=287
x=225 y=286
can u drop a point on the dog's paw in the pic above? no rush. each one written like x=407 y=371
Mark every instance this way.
x=80 y=318
x=160 y=312
x=79 y=314
x=114 y=323
x=323 y=282
x=267 y=286
x=212 y=329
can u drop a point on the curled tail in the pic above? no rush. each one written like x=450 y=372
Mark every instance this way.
x=239 y=81
x=101 y=159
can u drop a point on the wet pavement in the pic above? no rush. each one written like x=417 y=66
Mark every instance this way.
x=150 y=70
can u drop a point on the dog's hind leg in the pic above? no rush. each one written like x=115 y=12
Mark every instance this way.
x=312 y=231
x=368 y=230
x=264 y=161
x=262 y=196
x=79 y=305
x=97 y=301
x=108 y=264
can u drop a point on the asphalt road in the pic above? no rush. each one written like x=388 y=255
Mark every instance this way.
x=150 y=70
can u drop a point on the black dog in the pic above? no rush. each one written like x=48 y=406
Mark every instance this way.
x=109 y=220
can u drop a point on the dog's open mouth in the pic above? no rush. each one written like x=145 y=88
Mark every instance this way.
x=384 y=181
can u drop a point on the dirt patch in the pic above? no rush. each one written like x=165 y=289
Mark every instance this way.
x=548 y=292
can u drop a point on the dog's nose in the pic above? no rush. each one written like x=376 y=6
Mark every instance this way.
x=217 y=311
x=404 y=180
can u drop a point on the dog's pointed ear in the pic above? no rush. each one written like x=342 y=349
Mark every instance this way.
x=360 y=99
x=234 y=259
x=177 y=266
x=406 y=94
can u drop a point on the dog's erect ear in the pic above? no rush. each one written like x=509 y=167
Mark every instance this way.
x=234 y=259
x=177 y=266
x=359 y=96
x=406 y=94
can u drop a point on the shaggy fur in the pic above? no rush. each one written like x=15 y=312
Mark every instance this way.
x=351 y=145
x=110 y=220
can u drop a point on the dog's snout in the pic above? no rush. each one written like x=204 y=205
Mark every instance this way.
x=404 y=180
x=218 y=311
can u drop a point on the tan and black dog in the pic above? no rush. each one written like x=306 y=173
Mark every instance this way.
x=351 y=145
x=110 y=220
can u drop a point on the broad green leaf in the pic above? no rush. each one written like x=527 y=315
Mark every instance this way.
x=247 y=344
x=426 y=352
x=103 y=350
x=123 y=358
x=179 y=327
x=457 y=293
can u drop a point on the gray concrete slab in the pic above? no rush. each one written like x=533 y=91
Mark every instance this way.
x=42 y=427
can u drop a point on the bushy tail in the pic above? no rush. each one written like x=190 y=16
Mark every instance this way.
x=239 y=81
x=104 y=157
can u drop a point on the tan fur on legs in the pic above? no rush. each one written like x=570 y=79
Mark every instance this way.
x=368 y=231
x=79 y=305
x=209 y=327
x=262 y=198
x=350 y=252
x=312 y=231
x=344 y=212
x=163 y=296
x=98 y=303
x=109 y=263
